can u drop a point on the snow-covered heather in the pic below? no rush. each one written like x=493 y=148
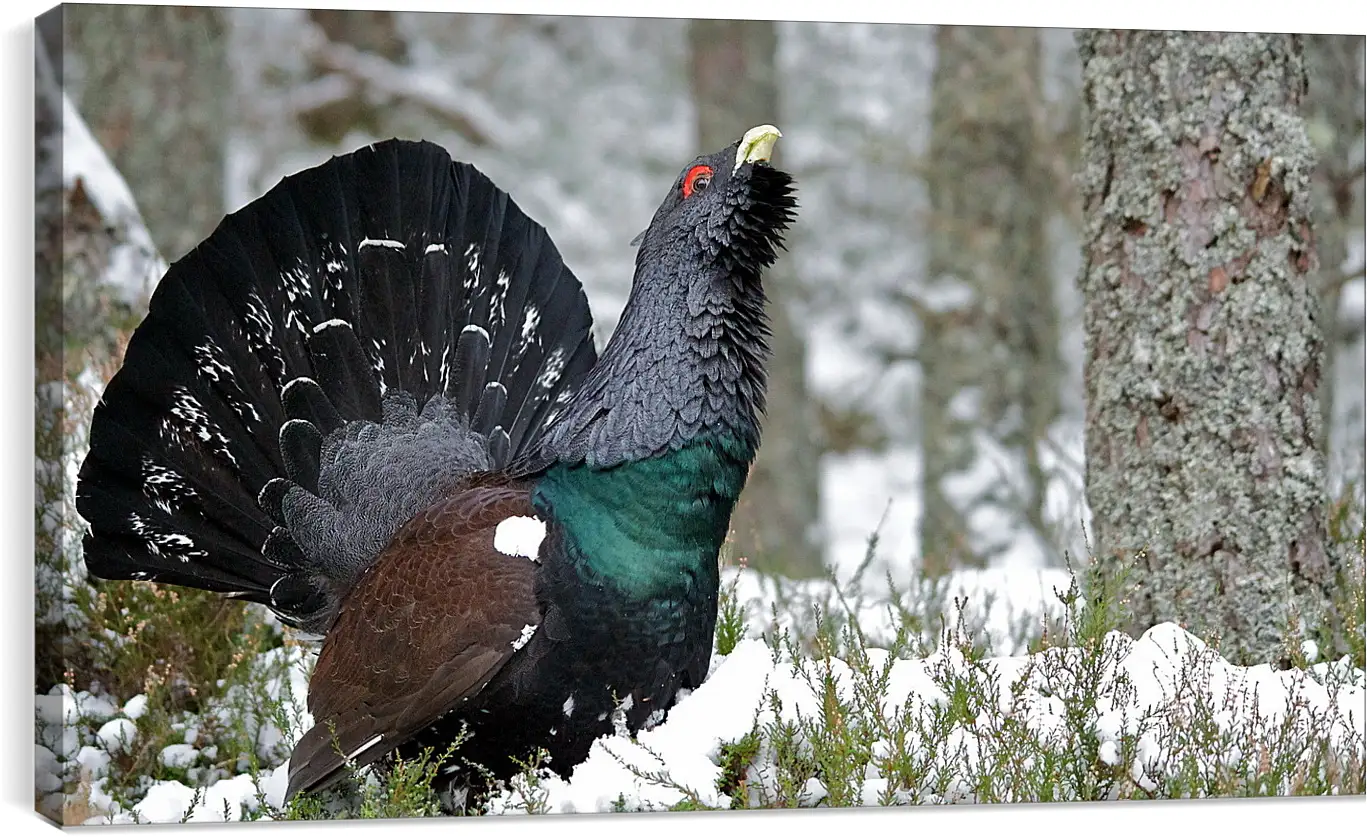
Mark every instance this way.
x=57 y=575
x=1141 y=709
x=79 y=733
x=1000 y=606
x=624 y=774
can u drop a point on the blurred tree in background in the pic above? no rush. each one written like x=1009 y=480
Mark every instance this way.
x=153 y=83
x=990 y=346
x=1204 y=344
x=777 y=521
x=1333 y=110
x=375 y=33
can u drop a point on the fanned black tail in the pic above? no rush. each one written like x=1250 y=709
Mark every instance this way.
x=331 y=359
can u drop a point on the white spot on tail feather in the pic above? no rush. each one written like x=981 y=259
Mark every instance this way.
x=551 y=371
x=367 y=745
x=473 y=327
x=330 y=324
x=519 y=535
x=531 y=318
x=472 y=267
x=209 y=358
x=165 y=487
x=210 y=363
x=377 y=364
x=334 y=265
x=435 y=247
x=162 y=543
x=188 y=417
x=499 y=297
x=446 y=367
x=527 y=632
x=259 y=331
x=292 y=318
x=389 y=243
x=568 y=707
x=295 y=282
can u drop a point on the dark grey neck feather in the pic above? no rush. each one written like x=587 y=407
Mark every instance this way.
x=686 y=360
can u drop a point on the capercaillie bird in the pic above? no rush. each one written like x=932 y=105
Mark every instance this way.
x=371 y=401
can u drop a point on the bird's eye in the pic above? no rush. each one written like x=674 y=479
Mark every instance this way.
x=697 y=180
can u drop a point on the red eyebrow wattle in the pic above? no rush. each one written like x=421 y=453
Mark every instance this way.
x=692 y=176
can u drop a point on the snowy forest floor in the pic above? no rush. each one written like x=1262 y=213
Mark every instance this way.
x=165 y=705
x=803 y=707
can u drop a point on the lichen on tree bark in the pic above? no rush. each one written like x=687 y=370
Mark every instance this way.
x=1203 y=345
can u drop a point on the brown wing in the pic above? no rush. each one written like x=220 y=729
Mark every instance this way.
x=426 y=626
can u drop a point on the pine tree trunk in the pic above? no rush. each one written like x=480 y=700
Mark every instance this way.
x=1203 y=344
x=989 y=351
x=777 y=522
x=153 y=84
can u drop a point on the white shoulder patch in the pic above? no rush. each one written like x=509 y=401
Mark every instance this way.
x=527 y=632
x=520 y=535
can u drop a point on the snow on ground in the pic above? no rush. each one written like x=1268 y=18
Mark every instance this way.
x=79 y=733
x=620 y=773
x=58 y=574
x=1138 y=700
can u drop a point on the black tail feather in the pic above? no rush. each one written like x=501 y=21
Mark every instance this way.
x=226 y=453
x=344 y=373
x=301 y=443
x=470 y=367
x=304 y=399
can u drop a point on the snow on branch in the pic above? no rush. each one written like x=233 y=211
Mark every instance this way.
x=353 y=71
x=132 y=265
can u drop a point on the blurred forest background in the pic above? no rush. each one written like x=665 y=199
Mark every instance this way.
x=928 y=382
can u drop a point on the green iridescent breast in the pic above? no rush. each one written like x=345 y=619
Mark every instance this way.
x=650 y=526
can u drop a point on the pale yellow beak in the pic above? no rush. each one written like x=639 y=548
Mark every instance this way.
x=757 y=145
